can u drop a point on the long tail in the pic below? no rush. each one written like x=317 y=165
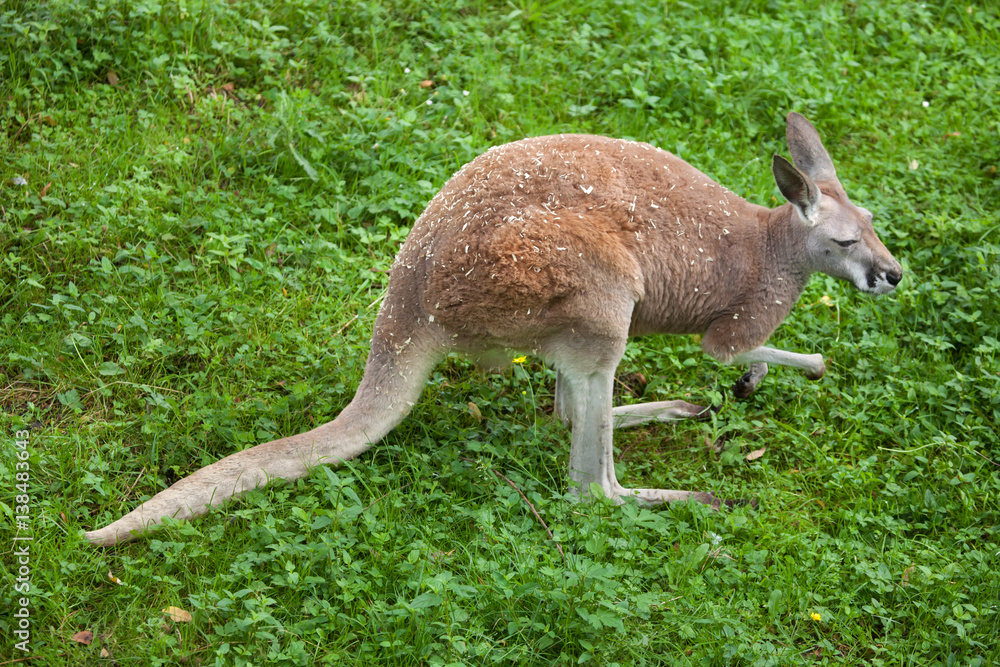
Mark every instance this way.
x=394 y=377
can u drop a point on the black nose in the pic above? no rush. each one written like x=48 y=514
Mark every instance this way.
x=893 y=277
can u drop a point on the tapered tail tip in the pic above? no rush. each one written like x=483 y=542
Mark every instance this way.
x=106 y=537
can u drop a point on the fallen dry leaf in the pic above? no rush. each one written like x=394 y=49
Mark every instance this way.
x=112 y=77
x=177 y=615
x=756 y=454
x=475 y=412
x=83 y=637
x=45 y=190
x=426 y=83
x=105 y=653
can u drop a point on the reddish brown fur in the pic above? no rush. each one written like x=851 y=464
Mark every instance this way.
x=520 y=233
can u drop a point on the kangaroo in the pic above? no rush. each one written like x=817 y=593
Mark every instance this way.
x=565 y=246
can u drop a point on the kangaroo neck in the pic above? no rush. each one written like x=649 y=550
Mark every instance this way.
x=785 y=252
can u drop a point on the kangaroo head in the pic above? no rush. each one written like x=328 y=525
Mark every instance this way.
x=840 y=239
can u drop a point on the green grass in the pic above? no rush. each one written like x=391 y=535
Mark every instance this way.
x=194 y=264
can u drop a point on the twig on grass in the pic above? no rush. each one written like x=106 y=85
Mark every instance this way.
x=372 y=504
x=347 y=324
x=533 y=511
x=984 y=457
x=525 y=498
x=137 y=478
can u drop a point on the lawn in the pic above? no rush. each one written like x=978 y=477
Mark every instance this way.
x=199 y=204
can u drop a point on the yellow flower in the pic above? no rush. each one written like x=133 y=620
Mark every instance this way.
x=520 y=360
x=816 y=617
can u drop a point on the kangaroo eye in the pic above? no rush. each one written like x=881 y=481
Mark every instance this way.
x=847 y=244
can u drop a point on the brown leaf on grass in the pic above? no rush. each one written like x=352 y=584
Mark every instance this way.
x=475 y=412
x=83 y=637
x=426 y=83
x=177 y=615
x=112 y=77
x=45 y=190
x=756 y=454
x=105 y=653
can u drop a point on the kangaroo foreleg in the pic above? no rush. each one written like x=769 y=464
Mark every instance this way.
x=812 y=364
x=760 y=357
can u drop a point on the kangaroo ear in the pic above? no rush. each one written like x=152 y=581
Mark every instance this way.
x=797 y=188
x=807 y=149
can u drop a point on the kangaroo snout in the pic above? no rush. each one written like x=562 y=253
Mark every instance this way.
x=884 y=281
x=894 y=276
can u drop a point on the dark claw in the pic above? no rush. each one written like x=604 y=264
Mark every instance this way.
x=741 y=502
x=707 y=414
x=743 y=388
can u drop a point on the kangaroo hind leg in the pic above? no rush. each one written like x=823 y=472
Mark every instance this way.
x=585 y=369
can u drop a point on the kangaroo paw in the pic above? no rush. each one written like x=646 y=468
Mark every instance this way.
x=744 y=386
x=748 y=381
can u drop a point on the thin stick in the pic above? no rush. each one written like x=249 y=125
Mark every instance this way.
x=337 y=333
x=137 y=478
x=387 y=493
x=356 y=317
x=533 y=511
x=626 y=387
x=983 y=457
